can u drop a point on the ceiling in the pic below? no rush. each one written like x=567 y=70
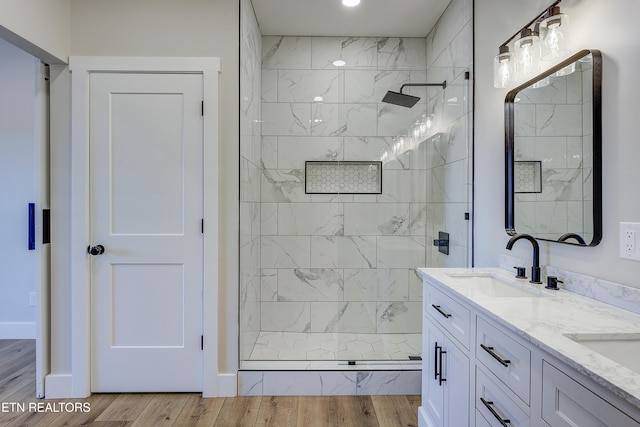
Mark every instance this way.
x=371 y=18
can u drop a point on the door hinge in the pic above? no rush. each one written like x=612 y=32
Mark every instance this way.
x=202 y=226
x=201 y=342
x=202 y=108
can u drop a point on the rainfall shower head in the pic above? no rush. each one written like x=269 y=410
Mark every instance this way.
x=404 y=100
x=399 y=98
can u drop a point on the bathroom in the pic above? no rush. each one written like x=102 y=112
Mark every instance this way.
x=489 y=23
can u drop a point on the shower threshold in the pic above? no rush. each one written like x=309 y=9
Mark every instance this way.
x=330 y=365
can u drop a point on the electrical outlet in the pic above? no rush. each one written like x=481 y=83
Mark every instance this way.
x=629 y=248
x=629 y=241
x=32 y=299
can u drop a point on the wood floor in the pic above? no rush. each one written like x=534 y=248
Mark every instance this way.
x=17 y=392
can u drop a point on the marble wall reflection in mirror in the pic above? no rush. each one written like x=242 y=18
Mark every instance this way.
x=553 y=157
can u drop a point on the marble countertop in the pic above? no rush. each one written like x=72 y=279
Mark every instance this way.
x=544 y=320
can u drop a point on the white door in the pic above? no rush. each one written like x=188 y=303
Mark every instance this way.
x=146 y=205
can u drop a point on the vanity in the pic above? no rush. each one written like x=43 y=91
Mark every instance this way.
x=500 y=351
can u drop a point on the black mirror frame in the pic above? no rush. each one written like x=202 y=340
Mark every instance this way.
x=509 y=111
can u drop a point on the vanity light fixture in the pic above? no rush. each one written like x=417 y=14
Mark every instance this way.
x=350 y=3
x=546 y=37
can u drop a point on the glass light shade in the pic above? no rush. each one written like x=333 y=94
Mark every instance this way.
x=566 y=70
x=503 y=68
x=527 y=52
x=541 y=83
x=555 y=31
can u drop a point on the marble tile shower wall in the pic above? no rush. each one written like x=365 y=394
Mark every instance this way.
x=340 y=263
x=552 y=131
x=250 y=109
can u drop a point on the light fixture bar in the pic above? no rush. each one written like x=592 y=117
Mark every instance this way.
x=545 y=14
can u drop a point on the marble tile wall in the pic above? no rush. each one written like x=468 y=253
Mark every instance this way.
x=340 y=262
x=250 y=48
x=566 y=171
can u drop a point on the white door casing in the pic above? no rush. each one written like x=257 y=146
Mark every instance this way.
x=146 y=193
x=78 y=382
x=43 y=272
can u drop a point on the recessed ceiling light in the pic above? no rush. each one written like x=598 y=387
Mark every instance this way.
x=350 y=3
x=339 y=63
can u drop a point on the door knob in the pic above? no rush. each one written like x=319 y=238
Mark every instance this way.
x=95 y=250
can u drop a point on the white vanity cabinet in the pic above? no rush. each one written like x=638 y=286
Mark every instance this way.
x=478 y=372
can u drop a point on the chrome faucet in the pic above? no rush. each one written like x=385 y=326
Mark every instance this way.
x=535 y=268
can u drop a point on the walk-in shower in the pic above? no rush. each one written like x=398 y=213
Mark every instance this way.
x=342 y=195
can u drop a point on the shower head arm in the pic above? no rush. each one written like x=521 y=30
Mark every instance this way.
x=443 y=85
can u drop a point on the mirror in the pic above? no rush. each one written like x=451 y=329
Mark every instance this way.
x=553 y=173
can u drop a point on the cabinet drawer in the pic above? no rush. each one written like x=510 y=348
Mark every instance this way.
x=480 y=420
x=505 y=358
x=496 y=405
x=565 y=402
x=450 y=314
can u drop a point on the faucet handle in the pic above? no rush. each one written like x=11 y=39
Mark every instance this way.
x=520 y=273
x=552 y=282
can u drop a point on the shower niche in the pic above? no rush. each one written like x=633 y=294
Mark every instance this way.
x=343 y=177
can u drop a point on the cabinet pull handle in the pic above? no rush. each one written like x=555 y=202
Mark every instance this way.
x=441 y=311
x=490 y=350
x=489 y=404
x=441 y=380
x=435 y=362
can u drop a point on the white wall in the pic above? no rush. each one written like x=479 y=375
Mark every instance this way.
x=597 y=24
x=40 y=27
x=151 y=28
x=19 y=134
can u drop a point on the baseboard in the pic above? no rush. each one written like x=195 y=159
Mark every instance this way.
x=58 y=386
x=17 y=330
x=227 y=386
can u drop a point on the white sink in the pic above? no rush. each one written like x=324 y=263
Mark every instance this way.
x=490 y=285
x=622 y=348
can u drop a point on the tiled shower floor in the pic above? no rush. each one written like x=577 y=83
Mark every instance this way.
x=335 y=346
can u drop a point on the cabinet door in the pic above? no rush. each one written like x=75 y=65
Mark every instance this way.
x=566 y=403
x=432 y=391
x=456 y=386
x=445 y=379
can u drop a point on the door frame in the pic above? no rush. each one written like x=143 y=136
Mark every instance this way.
x=81 y=67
